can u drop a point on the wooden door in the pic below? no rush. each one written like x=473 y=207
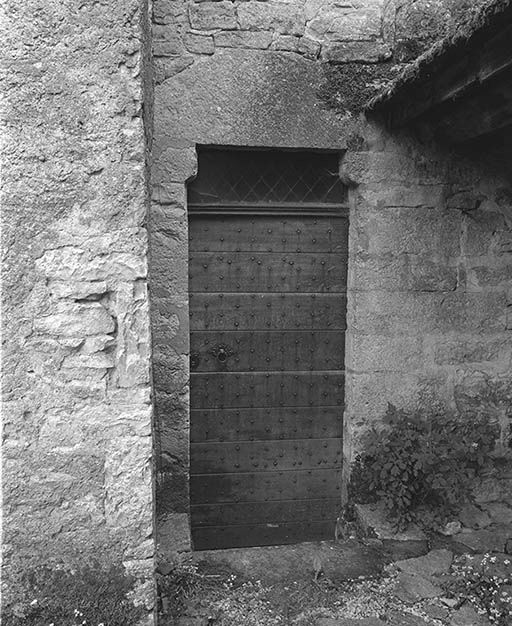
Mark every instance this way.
x=267 y=320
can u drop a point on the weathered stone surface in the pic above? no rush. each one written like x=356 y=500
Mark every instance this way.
x=467 y=616
x=212 y=15
x=373 y=352
x=328 y=21
x=435 y=562
x=168 y=67
x=500 y=513
x=370 y=391
x=356 y=51
x=436 y=612
x=403 y=272
x=492 y=489
x=372 y=520
x=450 y=529
x=71 y=319
x=273 y=16
x=412 y=588
x=244 y=39
x=472 y=350
x=401 y=313
x=309 y=48
x=199 y=44
x=485 y=540
x=175 y=165
x=225 y=100
x=473 y=517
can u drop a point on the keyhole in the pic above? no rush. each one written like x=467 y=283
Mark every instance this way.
x=221 y=355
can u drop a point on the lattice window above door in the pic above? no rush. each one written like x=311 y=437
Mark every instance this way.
x=266 y=178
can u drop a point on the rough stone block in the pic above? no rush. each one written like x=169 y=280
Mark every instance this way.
x=225 y=100
x=500 y=513
x=490 y=275
x=77 y=320
x=331 y=21
x=174 y=165
x=273 y=16
x=165 y=68
x=167 y=43
x=372 y=520
x=379 y=167
x=288 y=43
x=410 y=196
x=402 y=273
x=412 y=588
x=79 y=290
x=309 y=48
x=72 y=263
x=435 y=562
x=128 y=470
x=169 y=194
x=481 y=232
x=473 y=517
x=380 y=353
x=199 y=44
x=492 y=490
x=170 y=370
x=464 y=200
x=368 y=394
x=94 y=361
x=485 y=540
x=478 y=392
x=401 y=313
x=243 y=39
x=467 y=616
x=213 y=15
x=173 y=535
x=356 y=51
x=470 y=349
x=413 y=231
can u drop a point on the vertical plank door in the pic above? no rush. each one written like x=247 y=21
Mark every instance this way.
x=267 y=320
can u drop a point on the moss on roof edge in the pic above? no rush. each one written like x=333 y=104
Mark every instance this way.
x=489 y=18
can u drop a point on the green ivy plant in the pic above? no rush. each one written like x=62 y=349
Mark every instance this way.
x=422 y=467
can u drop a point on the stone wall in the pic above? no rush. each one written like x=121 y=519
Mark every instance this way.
x=77 y=478
x=430 y=281
x=185 y=30
x=427 y=305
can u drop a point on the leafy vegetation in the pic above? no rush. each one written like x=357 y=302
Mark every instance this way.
x=422 y=467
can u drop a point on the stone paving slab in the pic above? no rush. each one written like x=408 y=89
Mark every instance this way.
x=488 y=540
x=467 y=616
x=412 y=588
x=435 y=562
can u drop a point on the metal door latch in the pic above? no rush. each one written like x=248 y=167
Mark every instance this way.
x=221 y=352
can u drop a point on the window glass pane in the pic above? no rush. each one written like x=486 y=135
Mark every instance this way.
x=242 y=177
